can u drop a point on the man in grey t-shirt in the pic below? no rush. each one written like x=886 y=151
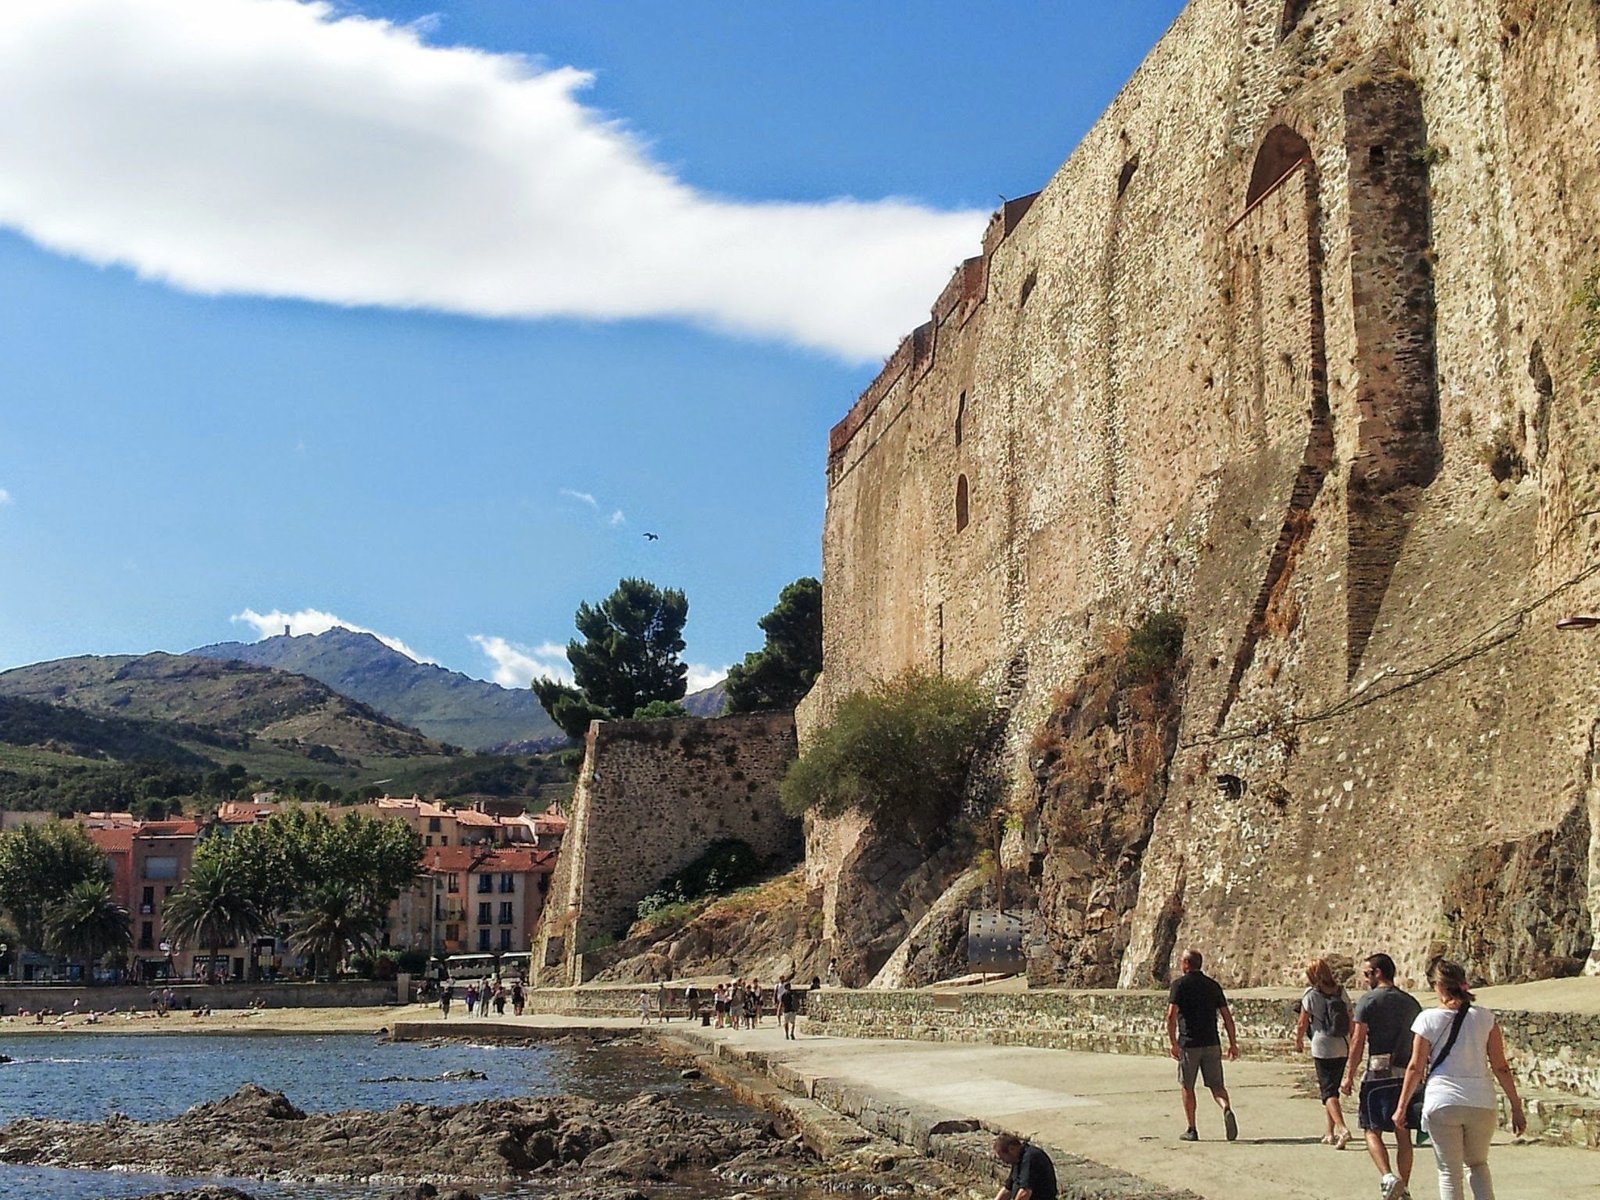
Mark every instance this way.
x=1380 y=1033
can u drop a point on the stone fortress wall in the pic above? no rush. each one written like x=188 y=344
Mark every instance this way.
x=651 y=798
x=1287 y=345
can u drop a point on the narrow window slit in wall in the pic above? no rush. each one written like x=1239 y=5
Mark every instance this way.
x=1293 y=10
x=961 y=503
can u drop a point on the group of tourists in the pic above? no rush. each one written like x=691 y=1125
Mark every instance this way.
x=735 y=1004
x=1430 y=1070
x=481 y=998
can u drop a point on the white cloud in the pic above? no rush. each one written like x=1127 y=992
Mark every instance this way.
x=515 y=665
x=280 y=148
x=5 y=497
x=312 y=620
x=586 y=497
x=702 y=676
x=617 y=518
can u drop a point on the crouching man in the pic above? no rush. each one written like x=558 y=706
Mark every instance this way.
x=1033 y=1175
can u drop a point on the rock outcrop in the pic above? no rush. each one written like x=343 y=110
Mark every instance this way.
x=763 y=933
x=257 y=1133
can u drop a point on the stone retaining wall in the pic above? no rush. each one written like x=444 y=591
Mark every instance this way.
x=1556 y=1052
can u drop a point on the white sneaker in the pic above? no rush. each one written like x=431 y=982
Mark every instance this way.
x=1389 y=1185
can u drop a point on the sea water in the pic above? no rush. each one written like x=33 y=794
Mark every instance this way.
x=88 y=1077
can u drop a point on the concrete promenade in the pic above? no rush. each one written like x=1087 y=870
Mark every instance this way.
x=1121 y=1111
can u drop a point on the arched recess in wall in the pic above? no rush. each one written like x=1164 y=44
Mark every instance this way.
x=1277 y=374
x=961 y=503
x=1282 y=150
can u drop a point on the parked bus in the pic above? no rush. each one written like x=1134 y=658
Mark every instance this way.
x=465 y=967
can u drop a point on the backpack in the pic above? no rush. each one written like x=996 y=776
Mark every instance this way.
x=1334 y=1019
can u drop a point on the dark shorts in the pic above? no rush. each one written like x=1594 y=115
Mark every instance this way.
x=1378 y=1098
x=1204 y=1061
x=1330 y=1075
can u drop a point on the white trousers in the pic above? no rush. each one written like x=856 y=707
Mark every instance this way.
x=1461 y=1149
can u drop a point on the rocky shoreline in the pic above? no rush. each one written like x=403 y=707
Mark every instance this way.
x=567 y=1146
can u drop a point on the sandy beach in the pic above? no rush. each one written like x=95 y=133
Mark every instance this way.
x=260 y=1020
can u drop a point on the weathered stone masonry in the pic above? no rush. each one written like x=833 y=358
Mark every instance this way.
x=652 y=796
x=1286 y=344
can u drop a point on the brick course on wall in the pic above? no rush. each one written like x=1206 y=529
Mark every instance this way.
x=651 y=798
x=1341 y=424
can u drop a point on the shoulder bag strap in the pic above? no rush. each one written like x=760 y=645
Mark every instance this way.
x=1450 y=1042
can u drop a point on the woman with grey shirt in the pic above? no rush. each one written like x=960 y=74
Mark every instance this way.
x=1325 y=1014
x=1464 y=1053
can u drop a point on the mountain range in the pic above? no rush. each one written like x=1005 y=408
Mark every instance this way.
x=446 y=705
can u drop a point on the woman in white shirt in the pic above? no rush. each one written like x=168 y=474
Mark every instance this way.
x=1465 y=1053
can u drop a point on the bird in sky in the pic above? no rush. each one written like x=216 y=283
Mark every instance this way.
x=652 y=537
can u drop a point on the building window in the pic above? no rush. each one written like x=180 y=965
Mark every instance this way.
x=483 y=938
x=147 y=935
x=164 y=867
x=433 y=824
x=452 y=933
x=147 y=903
x=486 y=883
x=452 y=883
x=961 y=503
x=505 y=912
x=961 y=417
x=508 y=884
x=505 y=939
x=428 y=841
x=483 y=913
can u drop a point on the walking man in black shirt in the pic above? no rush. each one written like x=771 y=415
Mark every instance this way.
x=1033 y=1175
x=1193 y=1006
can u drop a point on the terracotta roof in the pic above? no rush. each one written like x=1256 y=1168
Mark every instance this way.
x=422 y=808
x=108 y=820
x=466 y=816
x=482 y=858
x=115 y=840
x=169 y=829
x=240 y=812
x=451 y=858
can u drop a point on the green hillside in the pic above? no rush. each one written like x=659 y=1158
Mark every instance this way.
x=137 y=733
x=236 y=702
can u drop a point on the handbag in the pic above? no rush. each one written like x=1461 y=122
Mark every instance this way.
x=1414 y=1109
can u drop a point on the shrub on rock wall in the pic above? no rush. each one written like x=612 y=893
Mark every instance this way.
x=1100 y=767
x=899 y=751
x=725 y=865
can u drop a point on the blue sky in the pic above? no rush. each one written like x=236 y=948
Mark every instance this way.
x=343 y=312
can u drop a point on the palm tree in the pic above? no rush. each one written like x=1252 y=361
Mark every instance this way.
x=213 y=909
x=333 y=918
x=87 y=924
